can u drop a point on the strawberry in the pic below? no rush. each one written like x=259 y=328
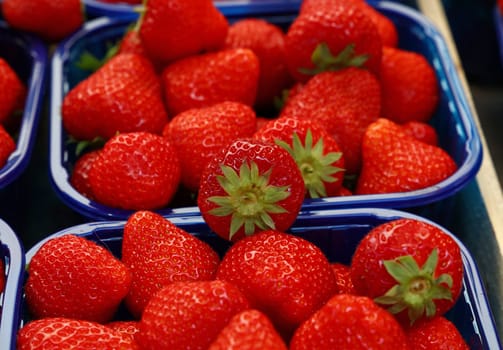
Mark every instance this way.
x=437 y=333
x=316 y=153
x=79 y=178
x=2 y=275
x=350 y=322
x=409 y=84
x=66 y=333
x=135 y=171
x=339 y=25
x=267 y=41
x=131 y=2
x=128 y=329
x=199 y=134
x=421 y=131
x=286 y=277
x=410 y=267
x=13 y=90
x=345 y=102
x=44 y=17
x=393 y=161
x=159 y=253
x=7 y=146
x=251 y=330
x=252 y=185
x=343 y=278
x=184 y=28
x=203 y=80
x=124 y=95
x=70 y=276
x=189 y=315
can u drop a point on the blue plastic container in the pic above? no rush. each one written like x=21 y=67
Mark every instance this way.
x=453 y=120
x=27 y=55
x=337 y=233
x=12 y=253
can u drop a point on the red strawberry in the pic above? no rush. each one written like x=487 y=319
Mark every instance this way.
x=184 y=28
x=267 y=41
x=136 y=170
x=350 y=322
x=203 y=80
x=122 y=96
x=393 y=161
x=189 y=315
x=131 y=2
x=199 y=134
x=159 y=253
x=338 y=25
x=128 y=329
x=252 y=185
x=44 y=17
x=13 y=90
x=437 y=333
x=284 y=276
x=251 y=330
x=410 y=266
x=345 y=103
x=316 y=153
x=79 y=177
x=66 y=333
x=70 y=276
x=7 y=146
x=2 y=275
x=421 y=131
x=343 y=278
x=409 y=86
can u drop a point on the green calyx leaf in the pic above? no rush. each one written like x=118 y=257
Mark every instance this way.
x=324 y=60
x=89 y=62
x=249 y=199
x=417 y=287
x=316 y=168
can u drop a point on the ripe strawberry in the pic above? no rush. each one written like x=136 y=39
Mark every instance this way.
x=44 y=17
x=13 y=90
x=421 y=131
x=252 y=185
x=131 y=2
x=286 y=277
x=343 y=278
x=345 y=102
x=159 y=253
x=199 y=134
x=267 y=41
x=393 y=161
x=409 y=86
x=250 y=330
x=316 y=153
x=136 y=170
x=70 y=276
x=189 y=315
x=66 y=333
x=184 y=28
x=79 y=177
x=2 y=275
x=339 y=25
x=350 y=322
x=410 y=266
x=437 y=333
x=203 y=80
x=128 y=329
x=7 y=146
x=124 y=95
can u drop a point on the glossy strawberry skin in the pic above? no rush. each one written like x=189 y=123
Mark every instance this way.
x=128 y=329
x=199 y=134
x=79 y=177
x=177 y=25
x=343 y=278
x=437 y=333
x=124 y=95
x=7 y=146
x=395 y=162
x=399 y=238
x=13 y=90
x=350 y=322
x=421 y=131
x=159 y=253
x=66 y=333
x=70 y=276
x=286 y=277
x=189 y=315
x=135 y=171
x=203 y=80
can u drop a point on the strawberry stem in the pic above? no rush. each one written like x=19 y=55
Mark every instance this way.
x=324 y=60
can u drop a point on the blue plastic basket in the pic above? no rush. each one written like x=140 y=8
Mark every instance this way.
x=337 y=233
x=453 y=120
x=27 y=55
x=11 y=251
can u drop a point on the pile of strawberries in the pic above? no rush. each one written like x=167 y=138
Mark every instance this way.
x=272 y=290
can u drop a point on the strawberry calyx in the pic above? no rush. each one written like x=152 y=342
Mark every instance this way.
x=89 y=62
x=324 y=60
x=316 y=168
x=250 y=198
x=417 y=287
